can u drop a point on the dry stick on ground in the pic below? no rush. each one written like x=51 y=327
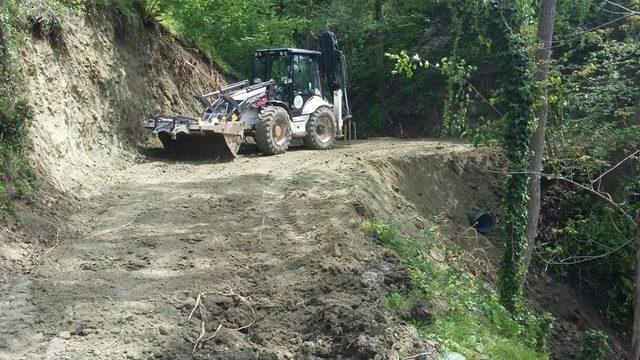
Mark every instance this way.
x=200 y=305
x=57 y=242
x=202 y=323
x=426 y=353
x=111 y=343
x=105 y=232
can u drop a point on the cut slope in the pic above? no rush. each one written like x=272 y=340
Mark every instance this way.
x=93 y=85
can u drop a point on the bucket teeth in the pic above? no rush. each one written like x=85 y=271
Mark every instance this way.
x=233 y=143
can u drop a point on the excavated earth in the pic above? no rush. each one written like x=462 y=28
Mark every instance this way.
x=269 y=251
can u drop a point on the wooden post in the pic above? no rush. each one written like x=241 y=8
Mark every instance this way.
x=635 y=339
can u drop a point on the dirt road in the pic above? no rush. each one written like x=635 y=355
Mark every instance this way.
x=274 y=243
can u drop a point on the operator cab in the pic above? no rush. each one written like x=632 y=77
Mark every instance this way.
x=295 y=73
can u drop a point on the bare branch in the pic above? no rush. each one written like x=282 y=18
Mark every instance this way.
x=633 y=155
x=629 y=11
x=602 y=195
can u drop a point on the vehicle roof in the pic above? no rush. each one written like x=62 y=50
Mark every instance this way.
x=288 y=51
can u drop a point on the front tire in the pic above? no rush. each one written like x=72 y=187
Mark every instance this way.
x=273 y=132
x=321 y=130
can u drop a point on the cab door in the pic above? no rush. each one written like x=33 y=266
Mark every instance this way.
x=306 y=82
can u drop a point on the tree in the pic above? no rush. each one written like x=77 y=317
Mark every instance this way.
x=543 y=57
x=635 y=341
x=379 y=45
x=307 y=38
x=518 y=99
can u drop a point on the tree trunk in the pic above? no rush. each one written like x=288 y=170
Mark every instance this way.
x=307 y=38
x=635 y=339
x=379 y=47
x=543 y=56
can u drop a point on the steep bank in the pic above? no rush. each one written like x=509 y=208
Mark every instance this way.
x=93 y=82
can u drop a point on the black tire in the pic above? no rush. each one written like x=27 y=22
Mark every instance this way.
x=273 y=131
x=321 y=130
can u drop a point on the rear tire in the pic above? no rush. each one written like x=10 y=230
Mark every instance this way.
x=273 y=131
x=321 y=130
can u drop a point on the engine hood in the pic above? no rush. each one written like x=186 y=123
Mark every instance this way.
x=244 y=94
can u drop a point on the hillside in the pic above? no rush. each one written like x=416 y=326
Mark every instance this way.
x=364 y=251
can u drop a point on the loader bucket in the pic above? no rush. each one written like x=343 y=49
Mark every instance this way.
x=219 y=141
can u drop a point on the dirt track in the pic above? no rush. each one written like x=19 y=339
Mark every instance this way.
x=282 y=233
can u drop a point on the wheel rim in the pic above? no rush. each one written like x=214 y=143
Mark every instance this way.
x=279 y=132
x=324 y=129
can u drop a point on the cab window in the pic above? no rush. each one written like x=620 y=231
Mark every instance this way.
x=305 y=75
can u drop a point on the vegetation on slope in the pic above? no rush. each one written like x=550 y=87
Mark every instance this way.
x=456 y=308
x=17 y=180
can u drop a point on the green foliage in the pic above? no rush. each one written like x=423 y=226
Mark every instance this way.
x=458 y=100
x=17 y=179
x=595 y=346
x=231 y=30
x=457 y=74
x=517 y=98
x=469 y=319
x=593 y=124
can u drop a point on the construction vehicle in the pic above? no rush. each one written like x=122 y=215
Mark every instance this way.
x=293 y=93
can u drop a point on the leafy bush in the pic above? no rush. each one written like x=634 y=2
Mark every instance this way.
x=468 y=316
x=231 y=30
x=595 y=346
x=17 y=179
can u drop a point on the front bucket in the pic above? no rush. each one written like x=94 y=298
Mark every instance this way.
x=209 y=145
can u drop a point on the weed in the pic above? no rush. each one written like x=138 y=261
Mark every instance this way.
x=17 y=179
x=595 y=346
x=468 y=316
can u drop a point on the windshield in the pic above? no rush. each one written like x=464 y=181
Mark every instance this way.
x=305 y=75
x=274 y=68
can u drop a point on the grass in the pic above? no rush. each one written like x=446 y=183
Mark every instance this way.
x=468 y=316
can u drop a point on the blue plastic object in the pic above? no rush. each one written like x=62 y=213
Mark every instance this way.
x=481 y=221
